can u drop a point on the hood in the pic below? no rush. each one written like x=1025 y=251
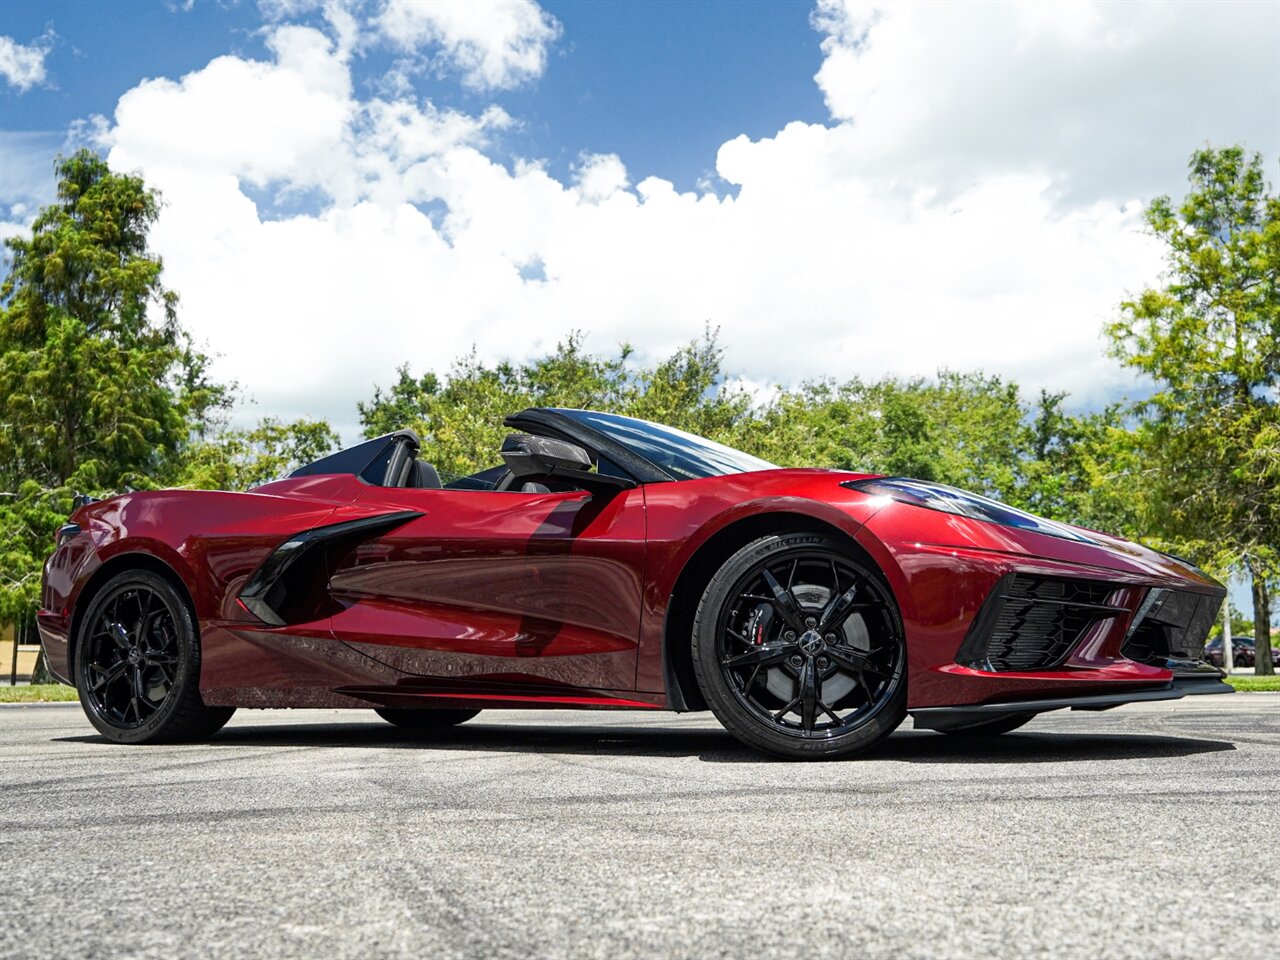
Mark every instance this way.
x=932 y=514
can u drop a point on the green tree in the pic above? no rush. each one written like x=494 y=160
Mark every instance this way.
x=1209 y=338
x=460 y=414
x=235 y=459
x=93 y=364
x=965 y=429
x=29 y=517
x=1083 y=469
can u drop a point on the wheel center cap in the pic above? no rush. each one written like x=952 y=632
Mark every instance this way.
x=135 y=655
x=811 y=643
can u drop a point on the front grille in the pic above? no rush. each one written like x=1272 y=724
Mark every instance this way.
x=1033 y=623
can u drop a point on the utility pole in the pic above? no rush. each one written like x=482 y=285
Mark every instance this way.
x=1228 y=648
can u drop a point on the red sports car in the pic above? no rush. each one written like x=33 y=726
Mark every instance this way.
x=608 y=562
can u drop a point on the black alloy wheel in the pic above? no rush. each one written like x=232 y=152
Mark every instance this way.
x=137 y=664
x=798 y=648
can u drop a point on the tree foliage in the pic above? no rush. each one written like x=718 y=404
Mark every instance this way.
x=1209 y=337
x=460 y=415
x=236 y=459
x=93 y=364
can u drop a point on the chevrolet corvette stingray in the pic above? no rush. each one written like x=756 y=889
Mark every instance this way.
x=607 y=562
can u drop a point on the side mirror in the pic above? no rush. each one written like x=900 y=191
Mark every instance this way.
x=533 y=458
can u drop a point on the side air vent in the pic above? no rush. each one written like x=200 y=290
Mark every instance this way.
x=1033 y=623
x=290 y=585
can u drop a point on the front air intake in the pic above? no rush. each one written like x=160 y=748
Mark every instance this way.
x=1033 y=623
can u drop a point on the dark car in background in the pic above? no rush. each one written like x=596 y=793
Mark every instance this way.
x=1242 y=649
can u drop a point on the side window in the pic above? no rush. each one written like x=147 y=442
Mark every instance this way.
x=610 y=469
x=376 y=471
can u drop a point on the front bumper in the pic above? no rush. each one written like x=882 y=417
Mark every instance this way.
x=1188 y=680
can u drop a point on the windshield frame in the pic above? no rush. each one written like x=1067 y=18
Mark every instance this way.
x=694 y=457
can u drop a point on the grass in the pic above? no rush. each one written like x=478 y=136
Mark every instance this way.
x=39 y=693
x=1254 y=684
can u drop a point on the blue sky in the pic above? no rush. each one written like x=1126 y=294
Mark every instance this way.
x=660 y=83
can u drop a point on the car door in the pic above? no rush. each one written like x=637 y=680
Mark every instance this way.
x=532 y=588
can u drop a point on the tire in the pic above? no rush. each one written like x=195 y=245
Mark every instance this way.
x=423 y=721
x=137 y=664
x=849 y=662
x=991 y=728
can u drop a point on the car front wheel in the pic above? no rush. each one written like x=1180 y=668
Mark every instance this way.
x=798 y=648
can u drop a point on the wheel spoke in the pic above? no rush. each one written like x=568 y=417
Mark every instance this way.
x=784 y=602
x=785 y=710
x=839 y=607
x=859 y=663
x=141 y=630
x=118 y=633
x=762 y=655
x=137 y=697
x=107 y=675
x=810 y=691
x=866 y=687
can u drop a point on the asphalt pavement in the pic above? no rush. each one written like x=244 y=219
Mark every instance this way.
x=1148 y=831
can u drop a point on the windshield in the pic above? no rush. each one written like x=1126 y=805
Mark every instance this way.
x=683 y=455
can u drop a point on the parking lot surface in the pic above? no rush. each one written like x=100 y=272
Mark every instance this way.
x=1148 y=831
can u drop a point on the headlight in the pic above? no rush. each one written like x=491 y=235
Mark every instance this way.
x=938 y=496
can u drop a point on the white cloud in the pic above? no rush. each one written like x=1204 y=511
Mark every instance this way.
x=22 y=66
x=599 y=176
x=1108 y=99
x=878 y=244
x=495 y=45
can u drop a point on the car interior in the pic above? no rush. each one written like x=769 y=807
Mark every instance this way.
x=532 y=465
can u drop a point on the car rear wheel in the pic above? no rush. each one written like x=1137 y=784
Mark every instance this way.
x=798 y=648
x=422 y=721
x=137 y=664
x=992 y=728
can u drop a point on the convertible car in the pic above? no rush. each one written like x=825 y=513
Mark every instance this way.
x=607 y=562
